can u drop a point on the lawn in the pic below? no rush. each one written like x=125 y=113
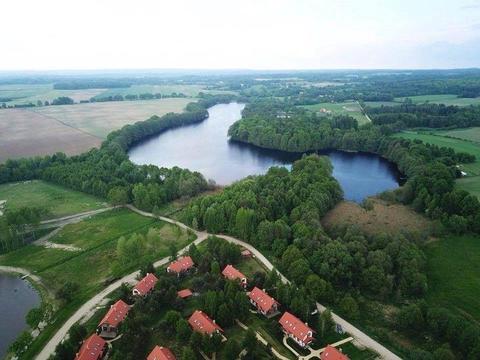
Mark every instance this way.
x=57 y=200
x=470 y=184
x=455 y=144
x=454 y=274
x=93 y=267
x=350 y=108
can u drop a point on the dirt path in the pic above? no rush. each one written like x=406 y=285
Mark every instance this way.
x=360 y=337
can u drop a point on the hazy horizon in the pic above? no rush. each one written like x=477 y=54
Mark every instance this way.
x=249 y=35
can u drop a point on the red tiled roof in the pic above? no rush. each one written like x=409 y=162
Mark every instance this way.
x=184 y=293
x=92 y=348
x=262 y=299
x=330 y=353
x=201 y=323
x=181 y=264
x=232 y=274
x=161 y=353
x=146 y=284
x=116 y=314
x=295 y=326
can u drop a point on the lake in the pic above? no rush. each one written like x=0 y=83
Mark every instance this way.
x=17 y=297
x=205 y=147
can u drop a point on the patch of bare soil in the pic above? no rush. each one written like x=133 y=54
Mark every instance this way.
x=383 y=218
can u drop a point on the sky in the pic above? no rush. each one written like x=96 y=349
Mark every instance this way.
x=246 y=34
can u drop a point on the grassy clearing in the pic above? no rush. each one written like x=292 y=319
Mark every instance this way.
x=468 y=134
x=350 y=108
x=99 y=119
x=470 y=184
x=57 y=200
x=383 y=218
x=454 y=275
x=456 y=144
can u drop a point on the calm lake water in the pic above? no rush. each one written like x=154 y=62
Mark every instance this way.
x=205 y=147
x=17 y=297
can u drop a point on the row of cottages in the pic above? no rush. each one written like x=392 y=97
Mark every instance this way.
x=264 y=303
x=161 y=353
x=180 y=266
x=92 y=349
x=145 y=285
x=108 y=326
x=232 y=273
x=201 y=322
x=331 y=353
x=296 y=329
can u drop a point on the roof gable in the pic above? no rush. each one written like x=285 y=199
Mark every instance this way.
x=202 y=323
x=92 y=348
x=161 y=353
x=331 y=353
x=146 y=284
x=181 y=264
x=232 y=273
x=295 y=326
x=116 y=314
x=264 y=301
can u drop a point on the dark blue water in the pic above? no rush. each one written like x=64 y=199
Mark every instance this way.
x=205 y=147
x=17 y=297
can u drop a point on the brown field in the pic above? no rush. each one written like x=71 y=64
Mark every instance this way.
x=99 y=119
x=24 y=133
x=386 y=218
x=72 y=129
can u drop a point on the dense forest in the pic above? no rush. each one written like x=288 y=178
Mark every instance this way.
x=431 y=169
x=426 y=115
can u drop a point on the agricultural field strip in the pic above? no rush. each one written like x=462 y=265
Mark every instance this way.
x=86 y=308
x=65 y=124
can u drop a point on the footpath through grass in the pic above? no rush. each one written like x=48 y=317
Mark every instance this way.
x=454 y=274
x=58 y=200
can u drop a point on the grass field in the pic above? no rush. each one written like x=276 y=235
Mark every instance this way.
x=345 y=108
x=28 y=93
x=456 y=144
x=188 y=90
x=72 y=129
x=454 y=274
x=25 y=133
x=470 y=184
x=469 y=134
x=57 y=200
x=450 y=99
x=99 y=119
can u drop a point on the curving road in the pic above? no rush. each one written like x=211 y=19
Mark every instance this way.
x=360 y=337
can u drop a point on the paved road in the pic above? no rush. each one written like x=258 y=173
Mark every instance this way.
x=71 y=219
x=360 y=337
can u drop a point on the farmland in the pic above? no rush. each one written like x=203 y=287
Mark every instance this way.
x=436 y=99
x=469 y=134
x=27 y=93
x=454 y=275
x=188 y=90
x=345 y=108
x=57 y=200
x=72 y=129
x=25 y=133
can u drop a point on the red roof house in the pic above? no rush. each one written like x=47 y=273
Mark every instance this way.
x=161 y=353
x=92 y=348
x=180 y=265
x=233 y=274
x=296 y=329
x=201 y=322
x=185 y=293
x=263 y=302
x=331 y=353
x=108 y=326
x=145 y=285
